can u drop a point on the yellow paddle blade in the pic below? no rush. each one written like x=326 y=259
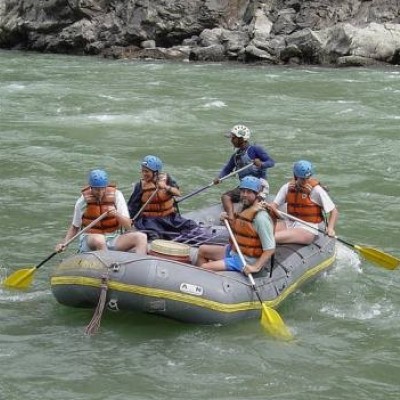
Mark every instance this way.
x=273 y=323
x=378 y=257
x=20 y=279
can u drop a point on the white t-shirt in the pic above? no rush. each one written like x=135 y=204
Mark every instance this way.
x=318 y=195
x=80 y=207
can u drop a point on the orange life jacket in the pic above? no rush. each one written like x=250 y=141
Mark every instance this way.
x=245 y=234
x=95 y=208
x=299 y=203
x=161 y=205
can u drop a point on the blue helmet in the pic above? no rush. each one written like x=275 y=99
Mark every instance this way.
x=251 y=183
x=302 y=169
x=152 y=163
x=98 y=178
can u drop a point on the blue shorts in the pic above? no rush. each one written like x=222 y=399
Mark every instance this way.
x=232 y=260
x=110 y=241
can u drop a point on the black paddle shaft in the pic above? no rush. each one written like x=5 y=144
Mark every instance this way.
x=47 y=259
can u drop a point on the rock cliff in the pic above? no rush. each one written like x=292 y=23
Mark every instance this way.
x=326 y=32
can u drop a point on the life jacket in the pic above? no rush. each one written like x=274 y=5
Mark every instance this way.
x=299 y=203
x=241 y=158
x=95 y=208
x=161 y=205
x=245 y=234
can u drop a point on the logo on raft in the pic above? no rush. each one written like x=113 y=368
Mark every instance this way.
x=191 y=289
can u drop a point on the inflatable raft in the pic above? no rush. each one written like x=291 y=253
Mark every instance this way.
x=164 y=282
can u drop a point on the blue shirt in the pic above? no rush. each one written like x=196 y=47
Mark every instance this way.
x=244 y=156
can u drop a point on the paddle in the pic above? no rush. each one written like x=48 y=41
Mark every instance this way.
x=199 y=190
x=270 y=318
x=378 y=257
x=145 y=204
x=22 y=278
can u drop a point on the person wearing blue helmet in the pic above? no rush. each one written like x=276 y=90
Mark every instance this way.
x=245 y=154
x=98 y=197
x=151 y=204
x=253 y=230
x=307 y=200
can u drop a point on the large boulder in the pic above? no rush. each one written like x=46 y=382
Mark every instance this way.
x=380 y=42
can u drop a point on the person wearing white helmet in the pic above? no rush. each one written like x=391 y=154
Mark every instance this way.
x=154 y=196
x=307 y=200
x=98 y=197
x=253 y=230
x=246 y=154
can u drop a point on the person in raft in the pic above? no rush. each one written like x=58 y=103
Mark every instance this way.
x=307 y=200
x=155 y=192
x=253 y=230
x=245 y=154
x=97 y=198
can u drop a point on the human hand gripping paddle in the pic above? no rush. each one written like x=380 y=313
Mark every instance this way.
x=199 y=190
x=378 y=257
x=22 y=278
x=270 y=318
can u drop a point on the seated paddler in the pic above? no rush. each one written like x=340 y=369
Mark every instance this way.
x=152 y=206
x=254 y=232
x=103 y=206
x=306 y=200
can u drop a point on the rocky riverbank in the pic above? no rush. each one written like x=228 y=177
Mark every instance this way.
x=323 y=32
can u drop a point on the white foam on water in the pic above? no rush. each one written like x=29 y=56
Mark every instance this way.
x=356 y=310
x=346 y=257
x=215 y=104
x=103 y=117
x=16 y=86
x=12 y=296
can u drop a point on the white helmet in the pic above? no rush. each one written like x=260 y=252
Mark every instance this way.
x=241 y=131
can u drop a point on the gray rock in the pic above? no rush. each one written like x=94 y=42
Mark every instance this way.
x=283 y=31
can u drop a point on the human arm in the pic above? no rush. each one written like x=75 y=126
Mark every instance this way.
x=227 y=169
x=280 y=198
x=71 y=232
x=260 y=157
x=259 y=264
x=75 y=224
x=333 y=216
x=121 y=211
x=322 y=198
x=169 y=185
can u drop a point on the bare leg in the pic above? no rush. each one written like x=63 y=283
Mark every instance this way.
x=132 y=241
x=96 y=241
x=294 y=235
x=209 y=252
x=218 y=265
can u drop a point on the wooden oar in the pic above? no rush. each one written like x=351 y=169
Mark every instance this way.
x=22 y=278
x=270 y=318
x=378 y=257
x=199 y=190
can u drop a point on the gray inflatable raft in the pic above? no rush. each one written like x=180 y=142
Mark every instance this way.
x=179 y=290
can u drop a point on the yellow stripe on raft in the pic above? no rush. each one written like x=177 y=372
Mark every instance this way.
x=190 y=299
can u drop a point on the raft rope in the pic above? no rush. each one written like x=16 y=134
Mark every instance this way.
x=94 y=325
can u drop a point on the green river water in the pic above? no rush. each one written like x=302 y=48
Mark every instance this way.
x=61 y=116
